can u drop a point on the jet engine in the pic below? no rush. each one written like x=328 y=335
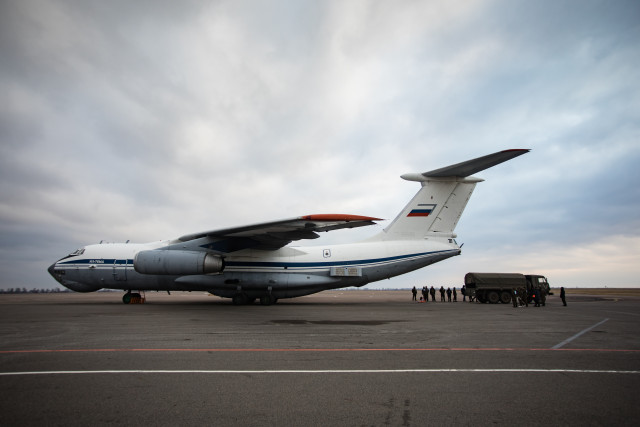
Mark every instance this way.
x=177 y=263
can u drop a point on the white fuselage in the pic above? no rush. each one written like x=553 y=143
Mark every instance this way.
x=286 y=272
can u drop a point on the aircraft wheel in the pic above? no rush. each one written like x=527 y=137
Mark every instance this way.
x=493 y=297
x=240 y=299
x=267 y=300
x=126 y=298
x=505 y=297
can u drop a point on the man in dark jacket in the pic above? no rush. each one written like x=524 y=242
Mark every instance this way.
x=432 y=291
x=562 y=297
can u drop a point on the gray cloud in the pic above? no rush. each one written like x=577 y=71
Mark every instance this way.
x=155 y=119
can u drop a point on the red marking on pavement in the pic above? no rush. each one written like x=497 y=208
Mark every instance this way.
x=294 y=350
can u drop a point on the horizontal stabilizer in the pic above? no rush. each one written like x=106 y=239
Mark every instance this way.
x=467 y=168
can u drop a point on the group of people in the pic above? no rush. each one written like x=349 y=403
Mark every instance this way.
x=519 y=297
x=432 y=291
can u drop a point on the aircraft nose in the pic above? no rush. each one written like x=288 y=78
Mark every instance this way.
x=51 y=271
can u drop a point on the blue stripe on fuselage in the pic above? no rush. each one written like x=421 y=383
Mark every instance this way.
x=268 y=264
x=332 y=263
x=98 y=261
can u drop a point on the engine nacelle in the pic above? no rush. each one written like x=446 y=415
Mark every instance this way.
x=177 y=263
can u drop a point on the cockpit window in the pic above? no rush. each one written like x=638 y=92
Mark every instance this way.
x=78 y=252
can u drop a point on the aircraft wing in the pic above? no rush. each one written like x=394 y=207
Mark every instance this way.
x=467 y=168
x=276 y=234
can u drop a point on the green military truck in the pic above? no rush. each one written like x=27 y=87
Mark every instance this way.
x=497 y=287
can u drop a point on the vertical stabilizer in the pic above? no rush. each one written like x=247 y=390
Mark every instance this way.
x=437 y=207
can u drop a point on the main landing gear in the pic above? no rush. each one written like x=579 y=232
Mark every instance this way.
x=244 y=299
x=133 y=298
x=268 y=300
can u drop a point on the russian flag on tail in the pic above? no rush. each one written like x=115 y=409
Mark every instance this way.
x=422 y=210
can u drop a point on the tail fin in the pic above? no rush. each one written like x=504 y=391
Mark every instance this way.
x=438 y=205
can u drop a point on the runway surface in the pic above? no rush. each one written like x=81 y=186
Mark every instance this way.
x=334 y=358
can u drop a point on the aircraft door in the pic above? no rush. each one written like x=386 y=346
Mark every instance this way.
x=120 y=270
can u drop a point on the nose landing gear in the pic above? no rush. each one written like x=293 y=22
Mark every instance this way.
x=133 y=298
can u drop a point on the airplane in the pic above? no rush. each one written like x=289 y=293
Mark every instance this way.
x=256 y=262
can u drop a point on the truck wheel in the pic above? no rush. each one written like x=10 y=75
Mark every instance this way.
x=493 y=297
x=505 y=297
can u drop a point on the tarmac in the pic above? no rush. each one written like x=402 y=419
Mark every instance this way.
x=357 y=358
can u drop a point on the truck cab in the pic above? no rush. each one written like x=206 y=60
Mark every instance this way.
x=539 y=283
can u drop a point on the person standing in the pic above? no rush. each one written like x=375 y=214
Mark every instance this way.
x=562 y=297
x=432 y=291
x=463 y=291
x=522 y=296
x=414 y=291
x=442 y=294
x=425 y=294
x=449 y=294
x=514 y=298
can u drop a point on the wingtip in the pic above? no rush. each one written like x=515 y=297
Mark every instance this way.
x=524 y=150
x=339 y=217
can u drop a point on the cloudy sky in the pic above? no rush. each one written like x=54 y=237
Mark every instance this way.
x=148 y=120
